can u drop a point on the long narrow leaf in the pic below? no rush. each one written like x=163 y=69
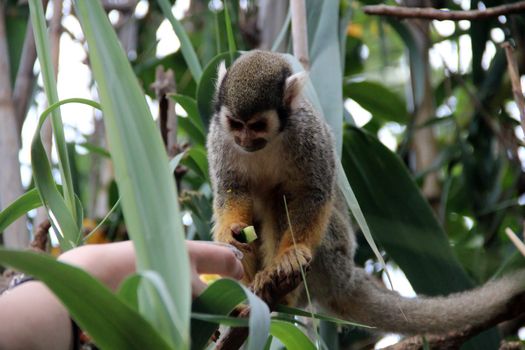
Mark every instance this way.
x=185 y=44
x=66 y=222
x=26 y=202
x=221 y=298
x=298 y=312
x=109 y=321
x=146 y=186
x=232 y=48
x=290 y=336
x=48 y=75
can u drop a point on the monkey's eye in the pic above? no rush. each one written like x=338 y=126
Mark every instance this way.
x=235 y=125
x=258 y=126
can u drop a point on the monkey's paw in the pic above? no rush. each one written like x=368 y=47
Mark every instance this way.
x=283 y=276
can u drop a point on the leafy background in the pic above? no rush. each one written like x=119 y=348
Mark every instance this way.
x=422 y=112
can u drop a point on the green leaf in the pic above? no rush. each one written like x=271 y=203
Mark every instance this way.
x=232 y=48
x=145 y=183
x=220 y=298
x=44 y=56
x=206 y=86
x=190 y=106
x=390 y=107
x=193 y=123
x=128 y=291
x=418 y=66
x=196 y=160
x=109 y=321
x=66 y=223
x=325 y=64
x=185 y=44
x=26 y=202
x=401 y=220
x=298 y=312
x=16 y=20
x=95 y=149
x=290 y=335
x=224 y=320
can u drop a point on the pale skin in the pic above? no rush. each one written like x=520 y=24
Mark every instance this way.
x=31 y=317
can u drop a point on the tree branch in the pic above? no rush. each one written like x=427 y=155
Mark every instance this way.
x=515 y=81
x=299 y=33
x=442 y=15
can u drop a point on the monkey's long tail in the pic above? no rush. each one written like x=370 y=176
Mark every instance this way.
x=364 y=301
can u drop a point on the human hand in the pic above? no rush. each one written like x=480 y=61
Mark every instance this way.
x=212 y=258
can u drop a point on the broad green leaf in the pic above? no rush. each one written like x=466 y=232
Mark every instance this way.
x=192 y=124
x=16 y=20
x=44 y=56
x=146 y=186
x=401 y=220
x=128 y=291
x=290 y=336
x=185 y=44
x=325 y=65
x=109 y=321
x=195 y=135
x=389 y=107
x=190 y=106
x=196 y=160
x=26 y=202
x=220 y=298
x=206 y=86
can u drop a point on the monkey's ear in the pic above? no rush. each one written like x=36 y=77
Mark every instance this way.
x=293 y=86
x=221 y=72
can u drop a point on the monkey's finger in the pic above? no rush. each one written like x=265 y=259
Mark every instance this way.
x=243 y=247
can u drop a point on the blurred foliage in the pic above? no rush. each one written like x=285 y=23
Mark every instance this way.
x=474 y=122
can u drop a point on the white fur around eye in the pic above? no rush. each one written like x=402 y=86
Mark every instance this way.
x=272 y=120
x=223 y=117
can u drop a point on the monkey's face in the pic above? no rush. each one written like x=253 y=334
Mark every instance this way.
x=251 y=134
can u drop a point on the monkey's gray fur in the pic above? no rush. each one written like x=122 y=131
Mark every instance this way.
x=298 y=161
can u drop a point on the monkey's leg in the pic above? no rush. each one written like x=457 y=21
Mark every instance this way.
x=232 y=214
x=308 y=226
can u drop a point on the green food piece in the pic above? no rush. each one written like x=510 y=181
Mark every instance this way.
x=247 y=234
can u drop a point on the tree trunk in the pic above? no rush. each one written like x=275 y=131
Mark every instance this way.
x=424 y=142
x=16 y=235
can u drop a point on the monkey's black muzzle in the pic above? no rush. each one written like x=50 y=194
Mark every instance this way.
x=253 y=145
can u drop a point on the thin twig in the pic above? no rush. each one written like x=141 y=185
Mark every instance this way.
x=514 y=239
x=299 y=32
x=442 y=15
x=515 y=81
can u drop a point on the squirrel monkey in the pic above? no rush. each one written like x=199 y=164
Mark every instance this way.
x=267 y=143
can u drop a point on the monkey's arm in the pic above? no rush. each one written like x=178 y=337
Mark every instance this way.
x=309 y=212
x=233 y=212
